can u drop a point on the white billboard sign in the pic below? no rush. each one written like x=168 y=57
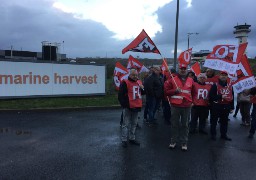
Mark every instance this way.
x=47 y=79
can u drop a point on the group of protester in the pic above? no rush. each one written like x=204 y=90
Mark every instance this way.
x=186 y=99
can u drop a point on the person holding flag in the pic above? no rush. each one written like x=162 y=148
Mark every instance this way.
x=222 y=103
x=178 y=91
x=130 y=99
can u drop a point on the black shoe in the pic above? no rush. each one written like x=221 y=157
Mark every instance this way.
x=134 y=142
x=242 y=124
x=152 y=124
x=138 y=126
x=250 y=136
x=192 y=131
x=167 y=122
x=213 y=138
x=226 y=138
x=124 y=144
x=203 y=132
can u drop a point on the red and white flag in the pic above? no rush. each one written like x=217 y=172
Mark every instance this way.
x=142 y=43
x=164 y=65
x=136 y=64
x=225 y=57
x=165 y=68
x=196 y=68
x=244 y=78
x=119 y=71
x=185 y=57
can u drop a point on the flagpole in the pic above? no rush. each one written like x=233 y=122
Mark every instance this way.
x=176 y=35
x=170 y=72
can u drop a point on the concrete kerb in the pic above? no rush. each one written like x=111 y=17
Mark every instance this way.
x=63 y=109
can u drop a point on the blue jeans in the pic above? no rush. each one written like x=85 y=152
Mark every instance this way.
x=151 y=103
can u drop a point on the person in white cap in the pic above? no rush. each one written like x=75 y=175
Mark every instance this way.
x=200 y=95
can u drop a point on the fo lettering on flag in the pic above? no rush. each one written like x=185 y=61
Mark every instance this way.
x=243 y=78
x=119 y=72
x=185 y=57
x=225 y=57
x=142 y=43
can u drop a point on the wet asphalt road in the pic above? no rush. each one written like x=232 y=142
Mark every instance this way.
x=85 y=144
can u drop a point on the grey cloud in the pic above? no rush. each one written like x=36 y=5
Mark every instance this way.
x=214 y=20
x=25 y=24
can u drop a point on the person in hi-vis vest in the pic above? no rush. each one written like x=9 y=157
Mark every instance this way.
x=200 y=95
x=178 y=90
x=130 y=99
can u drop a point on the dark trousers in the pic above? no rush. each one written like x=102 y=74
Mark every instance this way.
x=237 y=108
x=253 y=123
x=245 y=108
x=219 y=112
x=166 y=110
x=152 y=103
x=146 y=109
x=201 y=113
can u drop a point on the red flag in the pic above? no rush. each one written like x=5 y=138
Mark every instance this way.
x=135 y=63
x=185 y=57
x=142 y=43
x=118 y=72
x=244 y=78
x=225 y=57
x=196 y=68
x=165 y=68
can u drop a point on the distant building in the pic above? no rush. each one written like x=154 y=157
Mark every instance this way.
x=200 y=55
x=241 y=32
x=49 y=53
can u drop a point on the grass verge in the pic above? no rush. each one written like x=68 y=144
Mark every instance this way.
x=60 y=102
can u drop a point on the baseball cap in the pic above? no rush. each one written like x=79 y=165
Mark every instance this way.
x=183 y=66
x=224 y=72
x=202 y=75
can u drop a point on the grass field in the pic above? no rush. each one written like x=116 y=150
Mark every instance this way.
x=72 y=102
x=62 y=102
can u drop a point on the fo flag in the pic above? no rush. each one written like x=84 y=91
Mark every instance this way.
x=243 y=78
x=196 y=68
x=225 y=57
x=185 y=57
x=136 y=64
x=142 y=43
x=119 y=71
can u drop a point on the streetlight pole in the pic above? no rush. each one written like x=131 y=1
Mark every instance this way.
x=50 y=51
x=189 y=36
x=176 y=35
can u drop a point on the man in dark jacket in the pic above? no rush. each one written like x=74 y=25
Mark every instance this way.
x=129 y=97
x=222 y=103
x=154 y=93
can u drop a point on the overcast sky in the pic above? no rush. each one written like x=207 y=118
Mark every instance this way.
x=102 y=28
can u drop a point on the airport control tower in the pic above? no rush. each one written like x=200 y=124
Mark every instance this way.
x=242 y=32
